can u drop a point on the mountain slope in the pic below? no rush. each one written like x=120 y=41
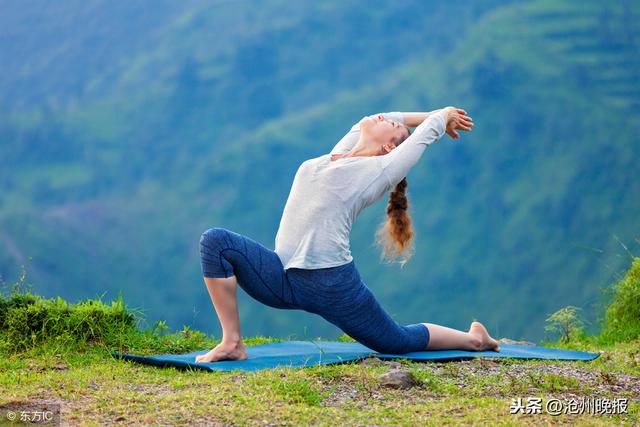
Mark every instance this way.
x=114 y=191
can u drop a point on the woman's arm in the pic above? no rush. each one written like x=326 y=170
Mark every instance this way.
x=414 y=119
x=397 y=163
x=461 y=122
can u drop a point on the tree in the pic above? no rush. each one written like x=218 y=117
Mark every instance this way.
x=565 y=322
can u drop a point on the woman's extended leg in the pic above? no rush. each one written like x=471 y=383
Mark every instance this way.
x=340 y=296
x=477 y=339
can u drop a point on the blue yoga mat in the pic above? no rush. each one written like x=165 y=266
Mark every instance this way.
x=297 y=354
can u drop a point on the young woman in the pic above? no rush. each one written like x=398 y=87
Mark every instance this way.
x=312 y=268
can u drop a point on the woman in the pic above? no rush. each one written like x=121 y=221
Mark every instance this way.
x=311 y=267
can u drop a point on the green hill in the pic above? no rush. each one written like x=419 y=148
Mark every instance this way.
x=108 y=185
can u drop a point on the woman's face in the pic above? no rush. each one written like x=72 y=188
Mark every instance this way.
x=385 y=132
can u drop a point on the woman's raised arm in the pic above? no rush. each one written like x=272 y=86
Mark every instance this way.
x=397 y=163
x=462 y=122
x=413 y=119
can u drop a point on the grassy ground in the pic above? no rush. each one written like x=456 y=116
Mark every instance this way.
x=94 y=388
x=53 y=352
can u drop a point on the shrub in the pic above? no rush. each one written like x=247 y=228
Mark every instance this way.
x=566 y=323
x=27 y=319
x=622 y=316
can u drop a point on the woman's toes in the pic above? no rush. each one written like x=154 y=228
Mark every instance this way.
x=223 y=352
x=207 y=357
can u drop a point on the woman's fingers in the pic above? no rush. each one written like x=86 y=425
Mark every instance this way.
x=463 y=118
x=459 y=121
x=453 y=134
x=462 y=125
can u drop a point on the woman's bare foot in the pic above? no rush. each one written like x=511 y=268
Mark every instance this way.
x=224 y=351
x=478 y=330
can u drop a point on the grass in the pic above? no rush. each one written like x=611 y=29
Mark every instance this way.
x=95 y=388
x=53 y=351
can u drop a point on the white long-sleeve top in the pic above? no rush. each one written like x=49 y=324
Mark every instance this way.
x=326 y=196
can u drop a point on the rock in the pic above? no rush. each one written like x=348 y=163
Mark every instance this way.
x=393 y=365
x=510 y=341
x=398 y=378
x=371 y=361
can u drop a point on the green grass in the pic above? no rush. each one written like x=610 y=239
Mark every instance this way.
x=623 y=314
x=94 y=388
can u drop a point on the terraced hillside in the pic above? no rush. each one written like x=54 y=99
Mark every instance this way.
x=110 y=188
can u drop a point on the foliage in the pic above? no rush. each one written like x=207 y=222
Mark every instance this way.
x=566 y=323
x=28 y=320
x=622 y=318
x=181 y=120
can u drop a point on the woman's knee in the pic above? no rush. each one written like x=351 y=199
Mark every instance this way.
x=212 y=237
x=212 y=242
x=386 y=347
x=388 y=339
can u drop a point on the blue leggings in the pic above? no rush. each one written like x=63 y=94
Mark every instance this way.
x=338 y=294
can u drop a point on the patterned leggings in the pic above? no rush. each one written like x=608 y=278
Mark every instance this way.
x=338 y=294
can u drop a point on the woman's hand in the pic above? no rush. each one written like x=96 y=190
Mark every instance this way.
x=457 y=119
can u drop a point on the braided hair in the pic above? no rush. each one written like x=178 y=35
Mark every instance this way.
x=395 y=234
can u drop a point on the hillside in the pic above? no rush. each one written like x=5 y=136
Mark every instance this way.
x=57 y=355
x=108 y=186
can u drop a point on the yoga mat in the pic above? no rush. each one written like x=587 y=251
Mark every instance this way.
x=297 y=354
x=265 y=356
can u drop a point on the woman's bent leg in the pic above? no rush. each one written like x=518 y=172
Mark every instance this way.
x=229 y=259
x=223 y=293
x=259 y=271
